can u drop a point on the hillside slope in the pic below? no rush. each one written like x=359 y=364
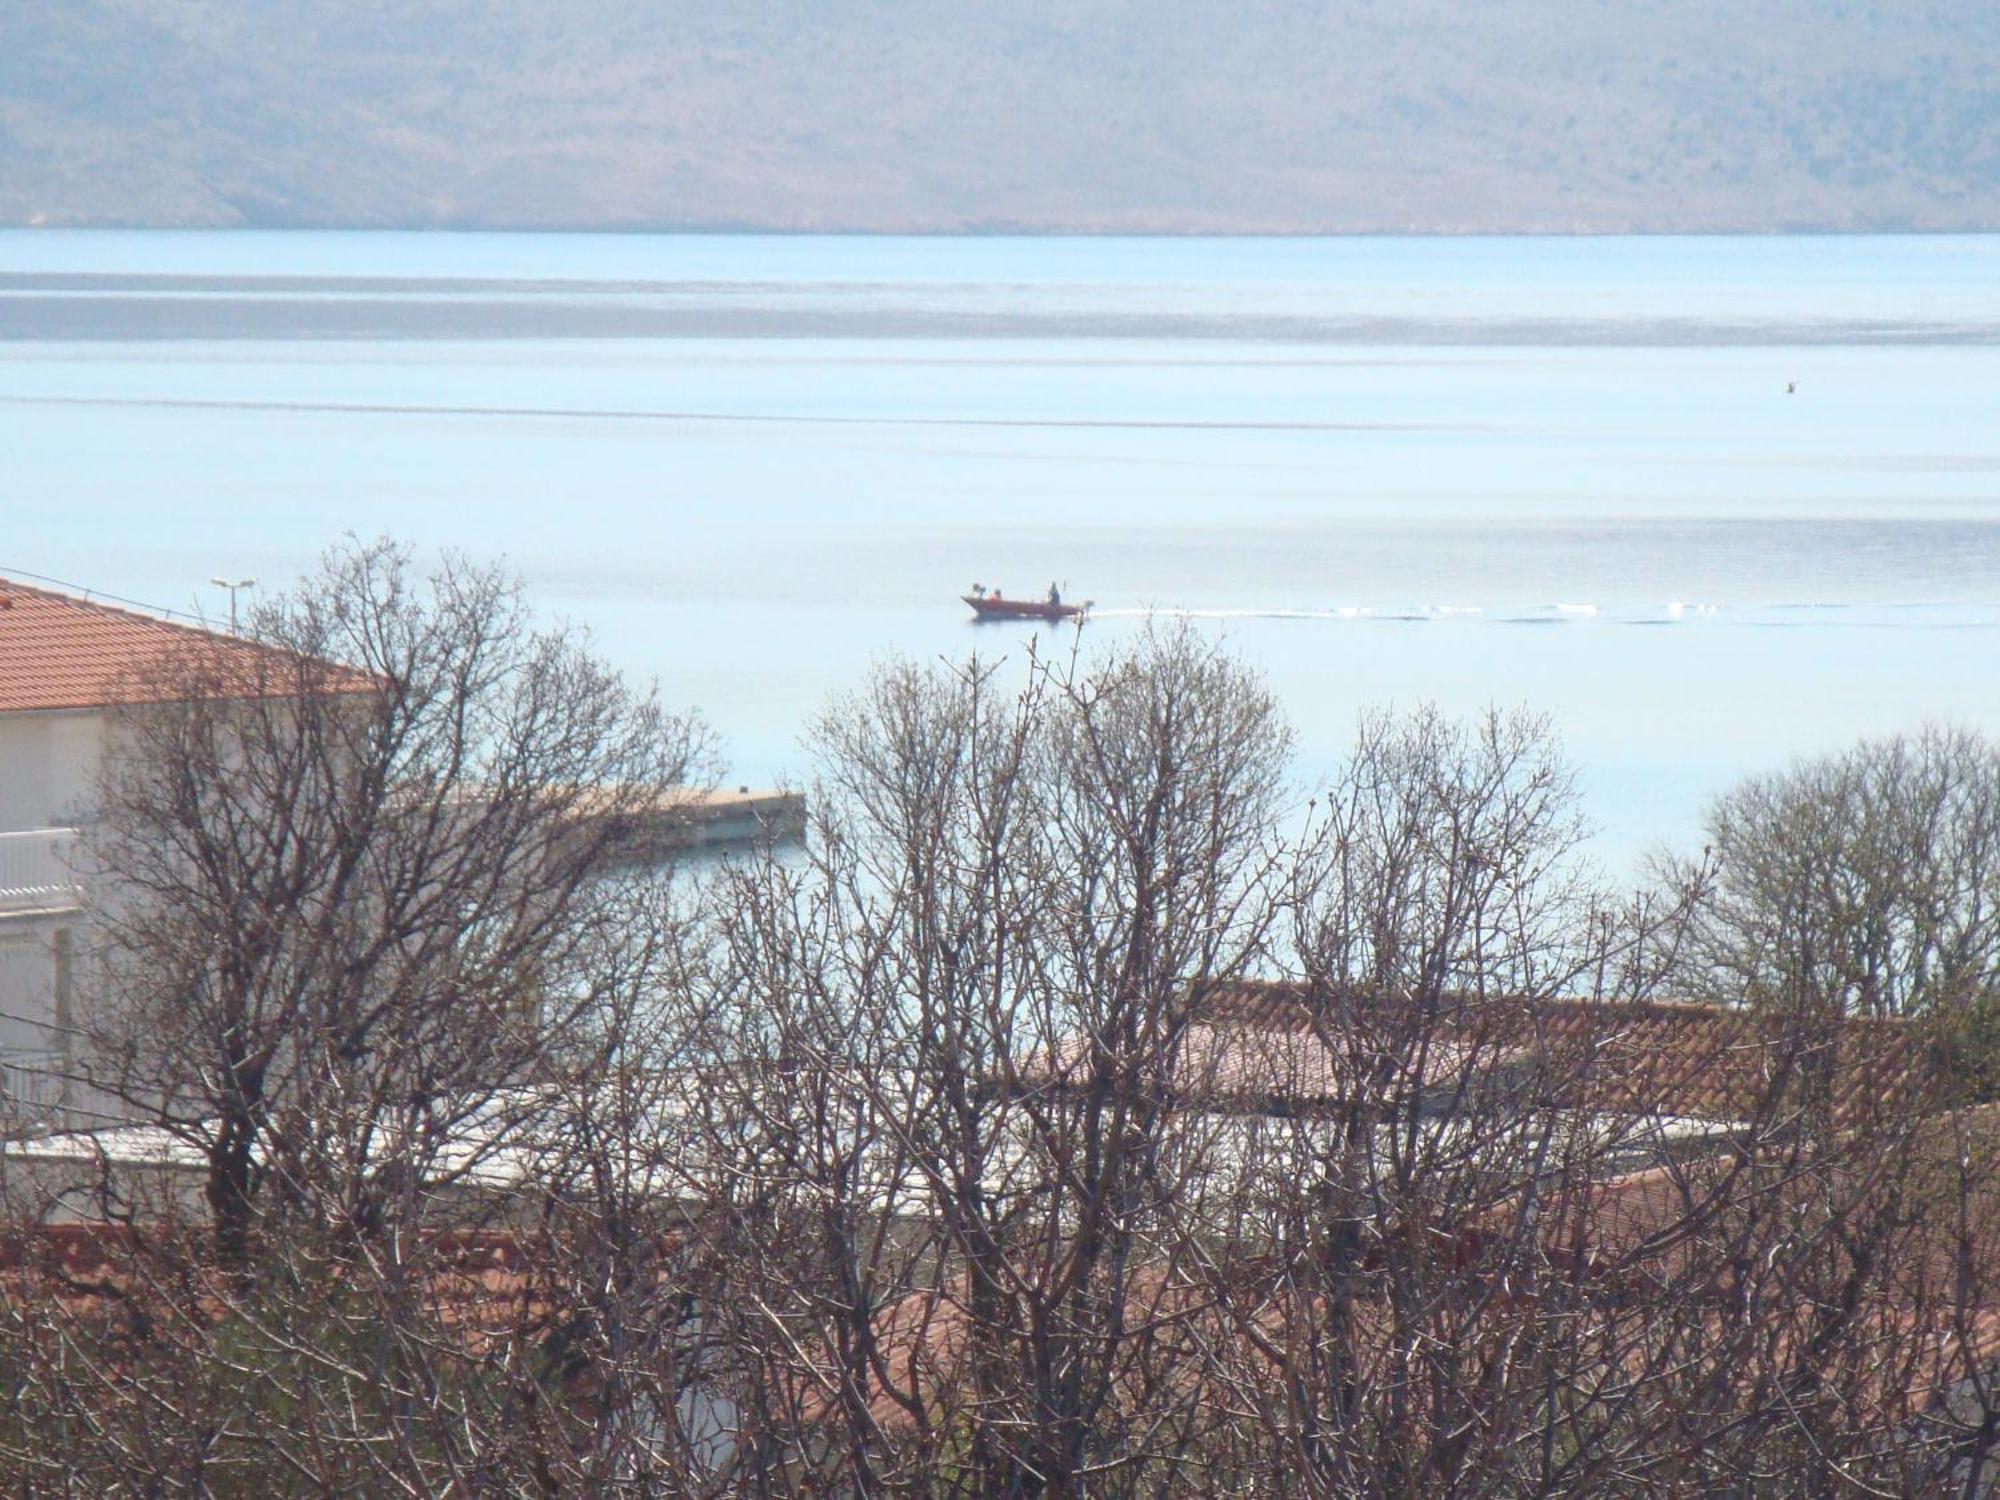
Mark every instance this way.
x=1175 y=115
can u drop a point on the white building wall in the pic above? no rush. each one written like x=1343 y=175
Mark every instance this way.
x=27 y=977
x=38 y=969
x=48 y=763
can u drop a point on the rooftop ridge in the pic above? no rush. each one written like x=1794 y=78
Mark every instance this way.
x=63 y=591
x=61 y=651
x=1280 y=991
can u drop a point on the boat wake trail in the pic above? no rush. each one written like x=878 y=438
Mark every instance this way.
x=1180 y=612
x=1918 y=615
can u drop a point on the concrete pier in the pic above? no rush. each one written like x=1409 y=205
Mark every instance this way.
x=697 y=819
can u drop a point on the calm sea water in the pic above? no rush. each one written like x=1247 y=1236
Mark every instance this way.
x=1565 y=473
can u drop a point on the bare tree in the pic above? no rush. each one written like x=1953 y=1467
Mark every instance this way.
x=945 y=1093
x=1435 y=902
x=1022 y=1181
x=358 y=885
x=1862 y=883
x=1081 y=1112
x=1494 y=1256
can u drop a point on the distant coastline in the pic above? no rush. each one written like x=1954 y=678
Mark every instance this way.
x=1182 y=118
x=1057 y=230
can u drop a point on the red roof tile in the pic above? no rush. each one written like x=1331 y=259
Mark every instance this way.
x=1701 y=1062
x=58 y=651
x=1260 y=1069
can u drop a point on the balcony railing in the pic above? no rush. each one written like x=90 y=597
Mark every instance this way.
x=31 y=1087
x=35 y=873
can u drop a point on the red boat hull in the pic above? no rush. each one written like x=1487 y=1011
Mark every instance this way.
x=986 y=607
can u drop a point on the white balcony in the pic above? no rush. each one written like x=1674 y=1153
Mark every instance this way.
x=32 y=1087
x=35 y=872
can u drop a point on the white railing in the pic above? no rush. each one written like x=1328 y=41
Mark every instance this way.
x=35 y=873
x=31 y=1087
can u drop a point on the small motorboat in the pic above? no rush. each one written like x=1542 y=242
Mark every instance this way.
x=993 y=606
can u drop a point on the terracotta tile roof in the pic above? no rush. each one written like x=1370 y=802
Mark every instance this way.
x=1652 y=1247
x=1701 y=1062
x=58 y=651
x=1717 y=1063
x=482 y=1284
x=1943 y=1168
x=1230 y=1065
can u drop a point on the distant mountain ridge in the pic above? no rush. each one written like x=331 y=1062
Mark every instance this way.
x=966 y=115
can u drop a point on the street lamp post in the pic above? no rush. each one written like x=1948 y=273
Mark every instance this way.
x=241 y=583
